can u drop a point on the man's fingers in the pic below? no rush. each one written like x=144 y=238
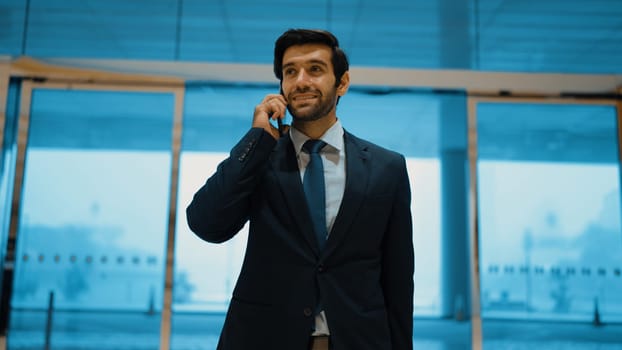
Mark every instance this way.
x=277 y=109
x=273 y=106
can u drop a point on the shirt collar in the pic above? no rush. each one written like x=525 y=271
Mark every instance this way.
x=333 y=137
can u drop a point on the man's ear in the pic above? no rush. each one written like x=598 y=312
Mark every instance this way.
x=344 y=84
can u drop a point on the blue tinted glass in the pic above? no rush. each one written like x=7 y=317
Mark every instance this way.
x=405 y=122
x=572 y=36
x=241 y=30
x=550 y=242
x=130 y=121
x=547 y=133
x=215 y=117
x=94 y=212
x=102 y=29
x=12 y=15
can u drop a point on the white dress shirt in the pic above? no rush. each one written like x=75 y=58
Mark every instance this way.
x=334 y=161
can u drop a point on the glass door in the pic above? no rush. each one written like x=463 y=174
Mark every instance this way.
x=93 y=183
x=548 y=232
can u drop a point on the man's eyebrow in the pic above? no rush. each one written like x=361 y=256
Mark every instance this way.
x=318 y=62
x=312 y=61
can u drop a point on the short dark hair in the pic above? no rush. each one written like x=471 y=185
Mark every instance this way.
x=310 y=36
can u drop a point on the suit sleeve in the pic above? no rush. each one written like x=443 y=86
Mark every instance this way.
x=398 y=265
x=221 y=207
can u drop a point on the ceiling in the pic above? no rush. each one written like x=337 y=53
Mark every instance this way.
x=572 y=36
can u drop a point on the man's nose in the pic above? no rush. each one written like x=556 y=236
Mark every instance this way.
x=302 y=79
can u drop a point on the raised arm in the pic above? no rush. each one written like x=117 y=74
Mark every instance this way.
x=220 y=208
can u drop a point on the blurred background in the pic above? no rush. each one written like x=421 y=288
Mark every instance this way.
x=113 y=113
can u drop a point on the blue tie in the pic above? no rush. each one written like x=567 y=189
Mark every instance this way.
x=313 y=183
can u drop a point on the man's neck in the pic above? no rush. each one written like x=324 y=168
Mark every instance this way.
x=316 y=128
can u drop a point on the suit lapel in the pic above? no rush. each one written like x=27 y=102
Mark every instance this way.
x=357 y=175
x=285 y=166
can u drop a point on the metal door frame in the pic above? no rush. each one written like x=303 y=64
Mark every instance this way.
x=4 y=95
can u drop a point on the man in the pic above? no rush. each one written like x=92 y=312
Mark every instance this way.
x=329 y=260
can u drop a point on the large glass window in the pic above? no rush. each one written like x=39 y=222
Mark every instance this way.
x=93 y=218
x=549 y=206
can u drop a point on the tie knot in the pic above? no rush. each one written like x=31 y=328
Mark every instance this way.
x=313 y=146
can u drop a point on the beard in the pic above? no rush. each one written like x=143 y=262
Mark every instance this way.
x=322 y=105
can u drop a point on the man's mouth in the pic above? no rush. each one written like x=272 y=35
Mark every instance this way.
x=304 y=97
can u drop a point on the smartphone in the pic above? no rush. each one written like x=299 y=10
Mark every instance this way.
x=279 y=121
x=281 y=128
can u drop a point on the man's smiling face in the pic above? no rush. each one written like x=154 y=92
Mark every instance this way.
x=309 y=82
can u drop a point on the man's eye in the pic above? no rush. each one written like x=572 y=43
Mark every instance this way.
x=290 y=71
x=316 y=69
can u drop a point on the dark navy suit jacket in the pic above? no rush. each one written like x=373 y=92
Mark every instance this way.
x=364 y=275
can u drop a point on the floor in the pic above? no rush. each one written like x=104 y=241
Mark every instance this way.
x=140 y=331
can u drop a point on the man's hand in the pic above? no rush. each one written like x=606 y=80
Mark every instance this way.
x=272 y=107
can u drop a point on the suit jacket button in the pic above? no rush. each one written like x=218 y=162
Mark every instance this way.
x=307 y=312
x=320 y=268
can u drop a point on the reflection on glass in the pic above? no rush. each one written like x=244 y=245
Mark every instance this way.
x=205 y=273
x=550 y=239
x=551 y=253
x=93 y=218
x=87 y=235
